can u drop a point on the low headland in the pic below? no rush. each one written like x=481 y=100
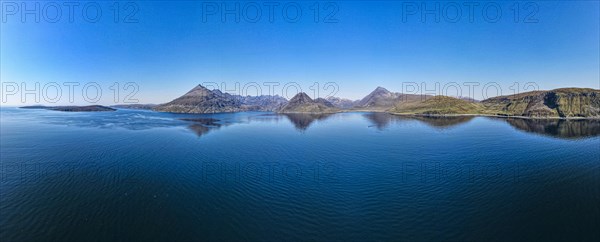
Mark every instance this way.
x=91 y=108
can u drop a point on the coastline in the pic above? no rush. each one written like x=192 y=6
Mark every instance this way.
x=493 y=115
x=340 y=111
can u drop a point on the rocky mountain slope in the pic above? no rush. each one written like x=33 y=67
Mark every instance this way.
x=264 y=103
x=564 y=102
x=378 y=99
x=202 y=100
x=558 y=103
x=302 y=103
x=381 y=99
x=341 y=103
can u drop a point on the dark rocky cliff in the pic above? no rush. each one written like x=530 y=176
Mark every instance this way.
x=564 y=103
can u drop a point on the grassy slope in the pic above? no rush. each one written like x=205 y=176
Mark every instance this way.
x=564 y=102
x=309 y=108
x=439 y=105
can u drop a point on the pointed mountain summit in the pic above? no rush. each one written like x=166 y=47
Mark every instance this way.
x=199 y=91
x=301 y=98
x=302 y=103
x=381 y=90
x=378 y=99
x=381 y=99
x=201 y=100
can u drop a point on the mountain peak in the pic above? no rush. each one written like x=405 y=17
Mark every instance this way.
x=302 y=103
x=202 y=100
x=198 y=91
x=379 y=98
x=381 y=90
x=200 y=87
x=301 y=98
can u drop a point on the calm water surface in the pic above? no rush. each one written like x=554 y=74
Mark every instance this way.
x=141 y=175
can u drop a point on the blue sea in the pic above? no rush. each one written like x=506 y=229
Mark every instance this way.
x=136 y=175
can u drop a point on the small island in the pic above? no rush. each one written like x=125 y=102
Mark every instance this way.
x=135 y=106
x=91 y=108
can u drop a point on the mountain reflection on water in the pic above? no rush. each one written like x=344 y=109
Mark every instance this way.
x=303 y=120
x=202 y=124
x=383 y=120
x=557 y=128
x=560 y=128
x=258 y=176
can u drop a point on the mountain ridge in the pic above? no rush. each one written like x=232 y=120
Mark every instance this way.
x=302 y=103
x=556 y=103
x=202 y=100
x=382 y=100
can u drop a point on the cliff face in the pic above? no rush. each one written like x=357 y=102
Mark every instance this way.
x=302 y=103
x=565 y=103
x=585 y=103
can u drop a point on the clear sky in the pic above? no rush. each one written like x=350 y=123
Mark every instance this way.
x=171 y=46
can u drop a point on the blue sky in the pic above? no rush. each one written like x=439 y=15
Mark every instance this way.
x=368 y=44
